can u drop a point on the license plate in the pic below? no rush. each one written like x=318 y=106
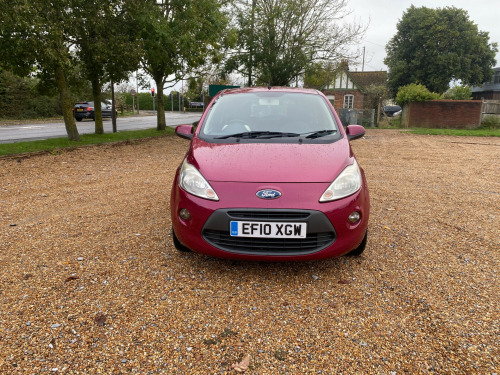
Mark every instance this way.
x=79 y=109
x=268 y=230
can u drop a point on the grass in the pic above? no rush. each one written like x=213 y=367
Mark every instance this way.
x=457 y=132
x=485 y=130
x=58 y=144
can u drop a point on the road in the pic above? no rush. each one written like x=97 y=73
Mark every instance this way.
x=36 y=131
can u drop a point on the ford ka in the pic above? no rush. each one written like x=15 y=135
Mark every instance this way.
x=270 y=175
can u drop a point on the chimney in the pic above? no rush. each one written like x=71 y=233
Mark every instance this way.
x=344 y=63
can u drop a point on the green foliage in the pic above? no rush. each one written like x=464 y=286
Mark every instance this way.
x=195 y=89
x=458 y=93
x=146 y=101
x=178 y=38
x=319 y=74
x=414 y=93
x=490 y=122
x=436 y=46
x=20 y=99
x=279 y=40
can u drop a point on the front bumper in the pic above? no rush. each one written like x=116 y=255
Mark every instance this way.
x=329 y=234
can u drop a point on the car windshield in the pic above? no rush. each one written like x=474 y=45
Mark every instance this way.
x=269 y=115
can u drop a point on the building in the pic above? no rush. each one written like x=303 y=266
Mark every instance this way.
x=349 y=89
x=488 y=90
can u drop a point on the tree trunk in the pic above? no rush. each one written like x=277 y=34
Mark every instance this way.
x=378 y=110
x=96 y=94
x=160 y=110
x=64 y=97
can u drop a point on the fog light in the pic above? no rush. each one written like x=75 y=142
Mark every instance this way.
x=354 y=217
x=184 y=214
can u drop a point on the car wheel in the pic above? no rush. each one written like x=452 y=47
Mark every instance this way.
x=359 y=250
x=78 y=118
x=178 y=244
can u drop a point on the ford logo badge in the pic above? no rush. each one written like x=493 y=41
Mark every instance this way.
x=268 y=194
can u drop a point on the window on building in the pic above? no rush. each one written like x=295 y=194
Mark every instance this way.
x=348 y=101
x=496 y=77
x=331 y=98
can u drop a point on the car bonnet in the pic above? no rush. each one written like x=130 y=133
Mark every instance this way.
x=270 y=162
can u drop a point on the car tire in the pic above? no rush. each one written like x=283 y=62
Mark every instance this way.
x=78 y=118
x=178 y=244
x=361 y=247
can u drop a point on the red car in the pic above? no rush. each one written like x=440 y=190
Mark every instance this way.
x=270 y=175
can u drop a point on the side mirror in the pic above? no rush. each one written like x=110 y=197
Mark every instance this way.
x=185 y=131
x=355 y=132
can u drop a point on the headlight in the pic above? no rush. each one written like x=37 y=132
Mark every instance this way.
x=194 y=183
x=347 y=183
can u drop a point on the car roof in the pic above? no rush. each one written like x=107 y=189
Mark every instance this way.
x=244 y=90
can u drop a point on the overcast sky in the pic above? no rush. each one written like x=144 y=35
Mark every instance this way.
x=383 y=15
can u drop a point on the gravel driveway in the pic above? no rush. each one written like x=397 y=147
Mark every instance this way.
x=90 y=282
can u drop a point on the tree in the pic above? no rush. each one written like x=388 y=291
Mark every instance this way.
x=106 y=44
x=179 y=36
x=376 y=95
x=435 y=46
x=35 y=39
x=279 y=39
x=320 y=74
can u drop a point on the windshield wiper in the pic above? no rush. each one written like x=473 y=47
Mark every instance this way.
x=321 y=133
x=259 y=134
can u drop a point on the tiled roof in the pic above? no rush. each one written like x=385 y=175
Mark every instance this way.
x=365 y=79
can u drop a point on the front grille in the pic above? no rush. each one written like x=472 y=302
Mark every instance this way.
x=269 y=246
x=268 y=215
x=320 y=232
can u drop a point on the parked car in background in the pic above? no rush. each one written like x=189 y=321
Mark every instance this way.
x=83 y=110
x=270 y=175
x=390 y=110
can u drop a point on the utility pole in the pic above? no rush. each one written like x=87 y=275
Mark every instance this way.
x=137 y=91
x=363 y=66
x=113 y=110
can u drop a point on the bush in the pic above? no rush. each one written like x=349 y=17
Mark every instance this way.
x=490 y=122
x=459 y=93
x=414 y=93
x=42 y=106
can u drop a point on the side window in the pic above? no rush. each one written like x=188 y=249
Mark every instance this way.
x=348 y=101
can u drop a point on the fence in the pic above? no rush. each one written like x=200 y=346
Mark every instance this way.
x=365 y=117
x=490 y=108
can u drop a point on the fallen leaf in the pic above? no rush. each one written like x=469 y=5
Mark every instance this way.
x=386 y=227
x=71 y=278
x=100 y=320
x=243 y=365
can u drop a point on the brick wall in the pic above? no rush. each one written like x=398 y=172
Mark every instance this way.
x=339 y=98
x=443 y=114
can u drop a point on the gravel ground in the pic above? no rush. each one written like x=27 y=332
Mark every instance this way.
x=90 y=282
